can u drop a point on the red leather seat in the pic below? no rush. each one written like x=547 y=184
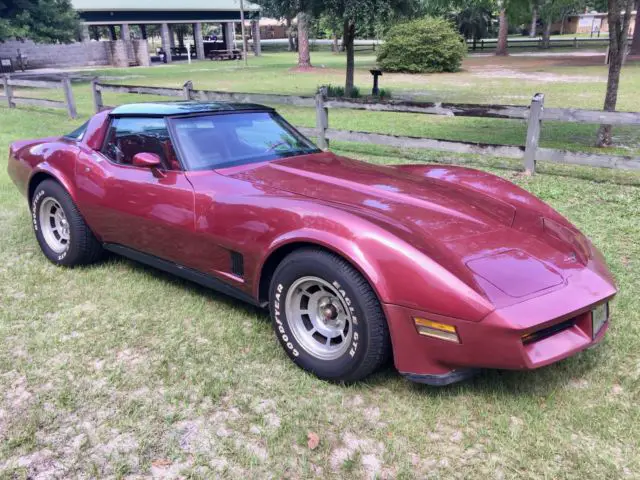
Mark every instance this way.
x=170 y=155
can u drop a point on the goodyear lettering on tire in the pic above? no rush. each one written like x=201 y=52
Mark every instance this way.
x=281 y=331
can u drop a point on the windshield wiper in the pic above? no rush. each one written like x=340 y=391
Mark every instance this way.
x=293 y=153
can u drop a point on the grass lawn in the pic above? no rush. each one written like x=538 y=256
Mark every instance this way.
x=119 y=370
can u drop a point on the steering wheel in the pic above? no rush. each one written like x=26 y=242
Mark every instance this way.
x=115 y=151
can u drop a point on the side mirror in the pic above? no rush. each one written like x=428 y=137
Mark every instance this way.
x=146 y=160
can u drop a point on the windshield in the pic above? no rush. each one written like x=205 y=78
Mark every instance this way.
x=217 y=141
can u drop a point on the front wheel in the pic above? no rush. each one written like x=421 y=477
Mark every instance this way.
x=64 y=237
x=327 y=317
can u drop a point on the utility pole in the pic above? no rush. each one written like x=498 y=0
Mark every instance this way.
x=244 y=39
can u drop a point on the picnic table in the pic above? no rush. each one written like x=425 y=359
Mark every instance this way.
x=232 y=54
x=180 y=51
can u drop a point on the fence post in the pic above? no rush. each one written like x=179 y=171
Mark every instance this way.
x=533 y=133
x=322 y=118
x=186 y=89
x=8 y=91
x=98 y=104
x=68 y=95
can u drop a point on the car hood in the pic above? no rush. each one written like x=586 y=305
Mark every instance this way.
x=467 y=231
x=408 y=201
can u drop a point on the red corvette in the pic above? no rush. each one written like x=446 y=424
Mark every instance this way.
x=446 y=268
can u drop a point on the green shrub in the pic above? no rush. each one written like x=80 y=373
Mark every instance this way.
x=337 y=91
x=334 y=90
x=355 y=92
x=385 y=93
x=424 y=45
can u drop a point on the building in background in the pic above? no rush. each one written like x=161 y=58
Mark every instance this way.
x=588 y=22
x=120 y=48
x=271 y=28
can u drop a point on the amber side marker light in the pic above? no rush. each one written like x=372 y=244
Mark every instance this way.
x=429 y=328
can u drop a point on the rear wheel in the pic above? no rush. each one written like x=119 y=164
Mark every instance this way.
x=327 y=317
x=64 y=237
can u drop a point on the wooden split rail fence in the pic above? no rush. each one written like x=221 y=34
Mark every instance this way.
x=12 y=100
x=537 y=42
x=529 y=153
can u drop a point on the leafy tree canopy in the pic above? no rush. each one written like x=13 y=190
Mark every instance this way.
x=287 y=8
x=474 y=20
x=552 y=10
x=598 y=5
x=45 y=21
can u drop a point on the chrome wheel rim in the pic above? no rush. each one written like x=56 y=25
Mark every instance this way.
x=54 y=225
x=319 y=318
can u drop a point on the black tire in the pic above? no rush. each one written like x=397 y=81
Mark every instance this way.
x=369 y=346
x=82 y=247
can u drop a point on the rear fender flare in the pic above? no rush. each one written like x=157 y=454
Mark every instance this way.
x=45 y=170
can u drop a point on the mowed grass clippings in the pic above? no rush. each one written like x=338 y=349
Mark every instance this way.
x=118 y=370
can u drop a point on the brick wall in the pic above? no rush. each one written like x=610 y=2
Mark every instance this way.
x=55 y=55
x=118 y=53
x=141 y=49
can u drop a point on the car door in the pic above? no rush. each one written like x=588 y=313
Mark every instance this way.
x=147 y=209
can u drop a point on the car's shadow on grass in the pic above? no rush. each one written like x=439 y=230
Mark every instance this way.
x=173 y=280
x=542 y=382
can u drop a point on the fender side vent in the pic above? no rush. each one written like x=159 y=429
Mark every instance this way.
x=237 y=264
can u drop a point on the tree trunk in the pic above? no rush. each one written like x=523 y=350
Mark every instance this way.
x=180 y=35
x=347 y=40
x=546 y=34
x=635 y=44
x=334 y=46
x=304 y=57
x=534 y=22
x=564 y=17
x=618 y=34
x=503 y=34
x=292 y=45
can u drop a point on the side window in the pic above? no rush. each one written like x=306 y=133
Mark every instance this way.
x=78 y=133
x=130 y=135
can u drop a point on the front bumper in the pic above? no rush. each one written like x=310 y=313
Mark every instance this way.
x=497 y=341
